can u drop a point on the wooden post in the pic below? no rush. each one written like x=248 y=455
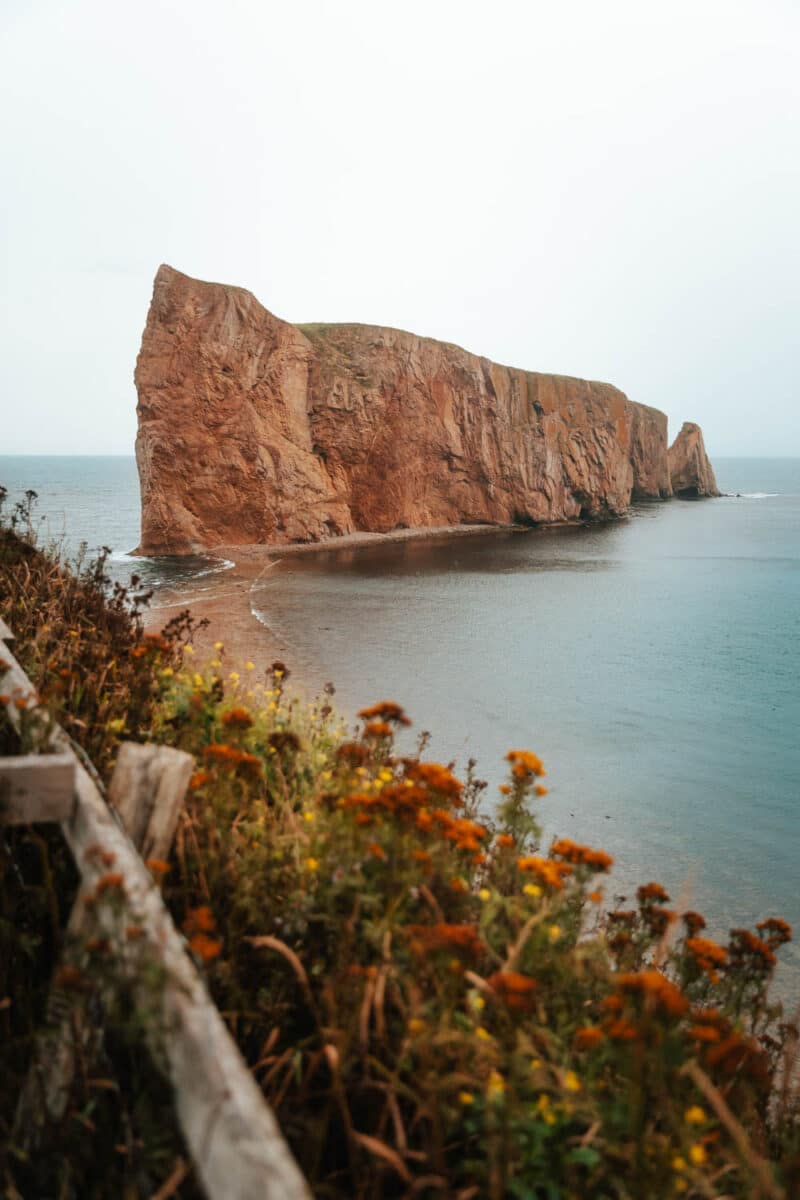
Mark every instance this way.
x=5 y=633
x=232 y=1134
x=148 y=789
x=36 y=787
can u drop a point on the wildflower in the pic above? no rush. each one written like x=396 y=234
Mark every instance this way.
x=505 y=841
x=237 y=718
x=588 y=1037
x=652 y=892
x=200 y=919
x=540 y=789
x=111 y=881
x=234 y=677
x=679 y=1163
x=385 y=710
x=707 y=954
x=554 y=933
x=695 y=1115
x=484 y=895
x=482 y=1034
x=549 y=872
x=477 y=1001
x=694 y=922
x=282 y=740
x=422 y=856
x=655 y=987
x=248 y=666
x=442 y=936
x=776 y=929
x=466 y=1098
x=215 y=662
x=697 y=1153
x=515 y=990
x=377 y=729
x=157 y=867
x=584 y=856
x=205 y=947
x=376 y=850
x=218 y=645
x=571 y=1082
x=525 y=764
x=496 y=1087
x=435 y=777
x=596 y=896
x=385 y=776
x=504 y=789
x=416 y=1025
x=197 y=680
x=188 y=650
x=532 y=889
x=312 y=864
x=167 y=673
x=746 y=948
x=309 y=816
x=622 y=1030
x=116 y=726
x=458 y=885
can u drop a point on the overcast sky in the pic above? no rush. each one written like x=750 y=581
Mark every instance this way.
x=609 y=190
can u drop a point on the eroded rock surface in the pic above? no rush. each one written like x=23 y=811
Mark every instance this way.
x=691 y=473
x=255 y=430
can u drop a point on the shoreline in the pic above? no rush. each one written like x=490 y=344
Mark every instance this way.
x=228 y=609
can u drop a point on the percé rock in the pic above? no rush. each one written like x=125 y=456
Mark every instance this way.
x=254 y=430
x=690 y=472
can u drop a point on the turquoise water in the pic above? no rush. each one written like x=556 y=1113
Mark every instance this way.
x=653 y=663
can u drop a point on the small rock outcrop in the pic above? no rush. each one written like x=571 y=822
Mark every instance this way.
x=691 y=474
x=254 y=430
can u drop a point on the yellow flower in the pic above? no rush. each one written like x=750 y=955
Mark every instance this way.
x=326 y=776
x=361 y=770
x=234 y=677
x=679 y=1163
x=309 y=816
x=385 y=775
x=197 y=680
x=312 y=864
x=167 y=672
x=697 y=1153
x=215 y=662
x=248 y=666
x=496 y=1086
x=188 y=650
x=272 y=706
x=695 y=1115
x=483 y=1034
x=117 y=725
x=466 y=1098
x=571 y=1082
x=554 y=933
x=532 y=889
x=484 y=894
x=477 y=1002
x=536 y=1064
x=218 y=645
x=416 y=1025
x=681 y=1185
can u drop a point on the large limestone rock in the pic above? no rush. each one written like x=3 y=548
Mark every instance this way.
x=254 y=430
x=691 y=474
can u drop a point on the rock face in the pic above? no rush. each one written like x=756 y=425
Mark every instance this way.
x=254 y=430
x=691 y=474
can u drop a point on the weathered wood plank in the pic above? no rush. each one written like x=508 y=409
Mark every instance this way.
x=36 y=787
x=5 y=633
x=148 y=789
x=232 y=1134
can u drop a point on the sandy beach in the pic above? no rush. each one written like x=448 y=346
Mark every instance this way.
x=224 y=600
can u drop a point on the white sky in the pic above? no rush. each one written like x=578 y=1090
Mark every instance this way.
x=607 y=189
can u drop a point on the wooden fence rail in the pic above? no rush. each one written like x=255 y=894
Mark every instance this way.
x=231 y=1133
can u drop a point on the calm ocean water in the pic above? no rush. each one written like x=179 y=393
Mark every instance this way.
x=653 y=663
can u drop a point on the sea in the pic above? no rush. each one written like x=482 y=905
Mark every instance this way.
x=652 y=662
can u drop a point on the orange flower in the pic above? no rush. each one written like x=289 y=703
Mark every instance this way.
x=422 y=857
x=385 y=710
x=540 y=789
x=441 y=936
x=504 y=789
x=200 y=779
x=525 y=764
x=377 y=729
x=549 y=872
x=237 y=718
x=505 y=841
x=199 y=919
x=622 y=1031
x=777 y=930
x=656 y=989
x=694 y=922
x=652 y=892
x=588 y=1037
x=205 y=947
x=376 y=850
x=746 y=948
x=353 y=751
x=458 y=885
x=157 y=867
x=584 y=856
x=112 y=880
x=435 y=777
x=707 y=954
x=515 y=990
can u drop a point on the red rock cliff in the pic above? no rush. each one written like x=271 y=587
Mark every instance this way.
x=254 y=430
x=691 y=474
